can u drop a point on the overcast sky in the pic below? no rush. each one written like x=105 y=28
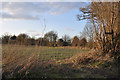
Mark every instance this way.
x=28 y=17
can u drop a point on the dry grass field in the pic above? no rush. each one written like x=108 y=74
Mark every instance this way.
x=55 y=62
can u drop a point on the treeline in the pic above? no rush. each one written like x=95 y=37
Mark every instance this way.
x=49 y=39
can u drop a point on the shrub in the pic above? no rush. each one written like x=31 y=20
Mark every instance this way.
x=75 y=41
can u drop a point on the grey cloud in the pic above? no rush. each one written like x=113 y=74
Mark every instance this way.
x=19 y=16
x=31 y=10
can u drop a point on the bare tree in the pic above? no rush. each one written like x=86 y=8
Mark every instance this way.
x=104 y=16
x=88 y=33
x=51 y=37
x=66 y=38
x=5 y=38
x=21 y=38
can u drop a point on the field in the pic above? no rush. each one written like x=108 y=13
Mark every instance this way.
x=53 y=62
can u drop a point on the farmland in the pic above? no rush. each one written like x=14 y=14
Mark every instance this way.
x=52 y=62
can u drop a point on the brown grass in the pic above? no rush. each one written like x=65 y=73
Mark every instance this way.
x=27 y=64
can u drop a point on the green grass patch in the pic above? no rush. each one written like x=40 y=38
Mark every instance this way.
x=45 y=53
